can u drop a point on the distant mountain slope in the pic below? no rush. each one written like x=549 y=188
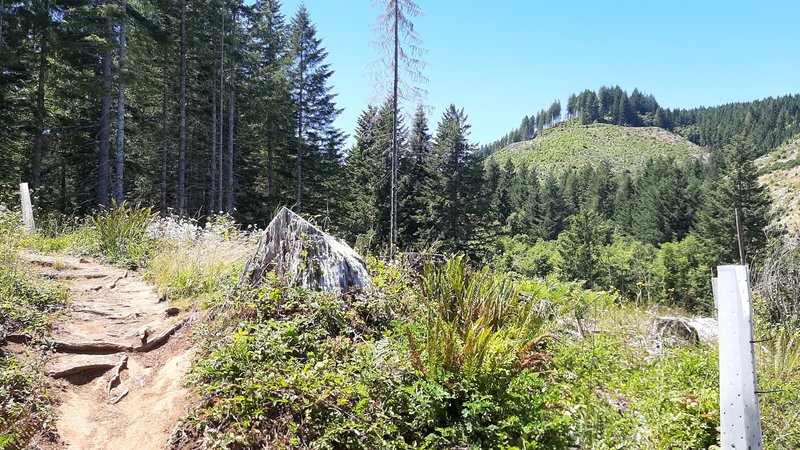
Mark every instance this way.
x=780 y=171
x=571 y=145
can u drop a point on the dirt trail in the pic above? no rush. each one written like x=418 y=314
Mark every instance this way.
x=116 y=324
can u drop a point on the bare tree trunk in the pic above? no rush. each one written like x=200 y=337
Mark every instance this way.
x=39 y=112
x=231 y=123
x=38 y=137
x=393 y=189
x=182 y=117
x=270 y=175
x=164 y=137
x=63 y=183
x=229 y=174
x=120 y=175
x=299 y=163
x=211 y=203
x=105 y=125
x=2 y=8
x=220 y=189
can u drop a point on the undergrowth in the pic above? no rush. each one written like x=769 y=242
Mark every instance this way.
x=26 y=304
x=451 y=358
x=25 y=404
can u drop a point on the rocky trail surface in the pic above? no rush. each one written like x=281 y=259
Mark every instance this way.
x=118 y=358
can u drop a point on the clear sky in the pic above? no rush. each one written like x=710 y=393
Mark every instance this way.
x=505 y=59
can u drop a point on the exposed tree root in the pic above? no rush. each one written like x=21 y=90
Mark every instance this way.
x=77 y=370
x=118 y=398
x=102 y=347
x=162 y=338
x=115 y=378
x=91 y=347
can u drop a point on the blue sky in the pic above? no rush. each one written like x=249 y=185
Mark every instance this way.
x=504 y=59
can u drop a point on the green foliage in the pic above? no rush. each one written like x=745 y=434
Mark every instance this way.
x=204 y=272
x=739 y=188
x=621 y=400
x=478 y=329
x=579 y=246
x=25 y=302
x=625 y=267
x=315 y=371
x=682 y=275
x=778 y=372
x=513 y=254
x=24 y=404
x=122 y=236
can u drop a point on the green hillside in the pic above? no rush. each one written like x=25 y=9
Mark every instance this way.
x=780 y=171
x=573 y=145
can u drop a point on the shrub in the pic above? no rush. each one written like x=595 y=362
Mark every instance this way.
x=477 y=326
x=682 y=275
x=25 y=303
x=24 y=404
x=121 y=234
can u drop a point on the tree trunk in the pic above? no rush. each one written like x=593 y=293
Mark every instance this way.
x=39 y=112
x=120 y=172
x=299 y=162
x=270 y=175
x=229 y=174
x=105 y=124
x=220 y=190
x=164 y=137
x=63 y=183
x=211 y=203
x=393 y=188
x=182 y=117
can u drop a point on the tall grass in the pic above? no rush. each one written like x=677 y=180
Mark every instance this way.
x=477 y=325
x=122 y=234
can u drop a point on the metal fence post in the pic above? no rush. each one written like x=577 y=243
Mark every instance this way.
x=740 y=420
x=27 y=208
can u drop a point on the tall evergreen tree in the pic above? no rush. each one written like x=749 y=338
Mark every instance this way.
x=738 y=189
x=457 y=214
x=315 y=109
x=416 y=184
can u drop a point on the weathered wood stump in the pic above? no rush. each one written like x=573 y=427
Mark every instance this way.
x=305 y=256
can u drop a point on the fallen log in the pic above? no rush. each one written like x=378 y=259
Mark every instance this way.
x=305 y=256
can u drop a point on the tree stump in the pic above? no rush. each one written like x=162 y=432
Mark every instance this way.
x=305 y=256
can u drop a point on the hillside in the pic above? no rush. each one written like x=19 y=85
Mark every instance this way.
x=779 y=170
x=573 y=145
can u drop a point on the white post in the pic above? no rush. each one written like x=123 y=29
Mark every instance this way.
x=739 y=414
x=27 y=208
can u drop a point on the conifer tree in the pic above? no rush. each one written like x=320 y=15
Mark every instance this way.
x=417 y=181
x=403 y=49
x=457 y=213
x=738 y=188
x=580 y=244
x=315 y=109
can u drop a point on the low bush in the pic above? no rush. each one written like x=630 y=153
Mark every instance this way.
x=25 y=302
x=25 y=406
x=121 y=235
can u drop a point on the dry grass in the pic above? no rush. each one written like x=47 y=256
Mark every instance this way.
x=203 y=269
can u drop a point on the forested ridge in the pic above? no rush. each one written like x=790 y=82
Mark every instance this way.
x=551 y=289
x=766 y=123
x=197 y=108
